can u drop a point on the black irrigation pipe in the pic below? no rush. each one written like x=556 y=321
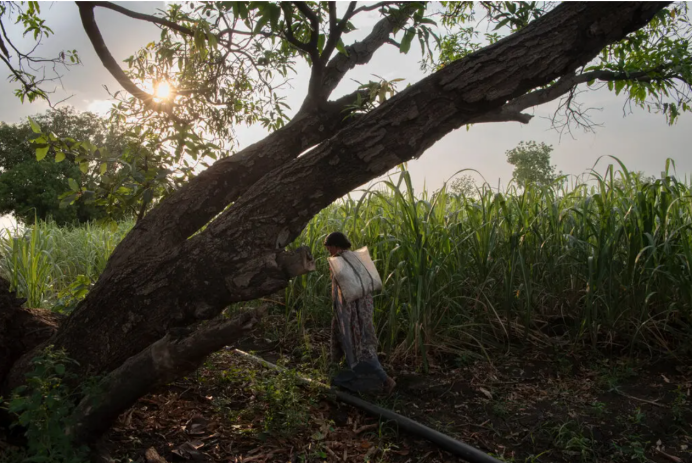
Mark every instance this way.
x=469 y=453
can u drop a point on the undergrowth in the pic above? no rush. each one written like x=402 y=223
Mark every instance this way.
x=43 y=408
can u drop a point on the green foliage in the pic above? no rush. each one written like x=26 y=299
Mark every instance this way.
x=43 y=408
x=661 y=51
x=681 y=408
x=377 y=93
x=69 y=297
x=31 y=183
x=117 y=173
x=575 y=440
x=51 y=265
x=464 y=185
x=652 y=65
x=25 y=67
x=532 y=163
x=223 y=64
x=32 y=190
x=285 y=408
x=27 y=261
x=279 y=400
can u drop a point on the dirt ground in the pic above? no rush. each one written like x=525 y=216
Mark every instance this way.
x=521 y=406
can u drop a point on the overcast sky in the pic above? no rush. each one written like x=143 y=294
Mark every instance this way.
x=642 y=141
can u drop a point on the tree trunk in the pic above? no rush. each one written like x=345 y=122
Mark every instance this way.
x=21 y=330
x=165 y=360
x=240 y=256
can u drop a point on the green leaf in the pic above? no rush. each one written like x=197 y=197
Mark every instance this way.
x=275 y=12
x=260 y=24
x=501 y=24
x=41 y=152
x=406 y=40
x=34 y=126
x=619 y=86
x=59 y=156
x=341 y=48
x=73 y=184
x=60 y=369
x=148 y=195
x=242 y=9
x=212 y=39
x=427 y=21
x=84 y=167
x=103 y=168
x=67 y=201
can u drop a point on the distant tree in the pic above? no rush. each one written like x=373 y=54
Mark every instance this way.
x=532 y=163
x=31 y=188
x=464 y=185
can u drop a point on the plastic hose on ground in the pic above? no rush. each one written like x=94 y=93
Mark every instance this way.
x=469 y=453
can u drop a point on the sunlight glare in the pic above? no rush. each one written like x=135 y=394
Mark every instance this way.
x=163 y=90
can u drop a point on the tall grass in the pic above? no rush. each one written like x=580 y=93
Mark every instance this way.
x=43 y=260
x=607 y=259
x=602 y=261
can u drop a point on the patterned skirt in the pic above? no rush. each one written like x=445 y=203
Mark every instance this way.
x=353 y=332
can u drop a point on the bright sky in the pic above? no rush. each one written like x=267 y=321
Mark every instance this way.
x=642 y=141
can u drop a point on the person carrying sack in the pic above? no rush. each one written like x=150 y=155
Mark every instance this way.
x=354 y=278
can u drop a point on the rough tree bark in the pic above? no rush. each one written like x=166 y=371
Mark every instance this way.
x=21 y=329
x=240 y=255
x=162 y=362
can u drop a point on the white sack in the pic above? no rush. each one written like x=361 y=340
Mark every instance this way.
x=355 y=273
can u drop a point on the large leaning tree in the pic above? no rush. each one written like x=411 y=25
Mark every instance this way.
x=221 y=238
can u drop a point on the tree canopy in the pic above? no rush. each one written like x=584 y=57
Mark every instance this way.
x=31 y=188
x=218 y=65
x=464 y=185
x=532 y=163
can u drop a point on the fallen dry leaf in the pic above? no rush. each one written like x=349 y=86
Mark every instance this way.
x=197 y=425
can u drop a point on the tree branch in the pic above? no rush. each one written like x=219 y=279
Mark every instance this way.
x=372 y=7
x=289 y=34
x=332 y=9
x=360 y=52
x=314 y=23
x=511 y=111
x=569 y=81
x=86 y=13
x=165 y=360
x=3 y=48
x=503 y=115
x=144 y=17
x=336 y=30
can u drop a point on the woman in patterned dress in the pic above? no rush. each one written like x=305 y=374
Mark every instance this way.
x=353 y=333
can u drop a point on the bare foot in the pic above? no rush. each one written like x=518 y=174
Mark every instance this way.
x=389 y=385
